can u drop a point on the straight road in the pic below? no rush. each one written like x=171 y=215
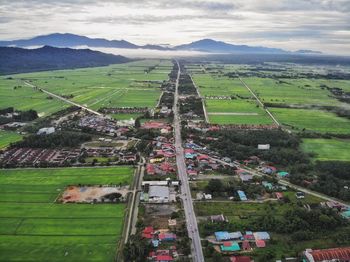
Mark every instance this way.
x=63 y=99
x=259 y=101
x=191 y=221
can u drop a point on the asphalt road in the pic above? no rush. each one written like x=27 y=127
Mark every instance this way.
x=191 y=221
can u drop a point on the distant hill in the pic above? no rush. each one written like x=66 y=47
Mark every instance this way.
x=18 y=60
x=212 y=46
x=71 y=40
x=204 y=45
x=306 y=51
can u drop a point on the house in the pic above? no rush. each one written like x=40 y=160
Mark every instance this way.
x=192 y=172
x=148 y=232
x=224 y=235
x=207 y=196
x=245 y=177
x=167 y=237
x=261 y=235
x=150 y=169
x=269 y=170
x=155 y=242
x=264 y=146
x=164 y=258
x=230 y=246
x=260 y=243
x=267 y=185
x=242 y=196
x=282 y=174
x=249 y=235
x=332 y=254
x=279 y=195
x=158 y=194
x=240 y=259
x=46 y=131
x=218 y=218
x=246 y=245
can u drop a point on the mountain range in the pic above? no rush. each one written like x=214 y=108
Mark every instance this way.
x=204 y=45
x=19 y=60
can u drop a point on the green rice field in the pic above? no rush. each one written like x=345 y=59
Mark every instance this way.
x=120 y=85
x=35 y=228
x=312 y=120
x=328 y=149
x=8 y=137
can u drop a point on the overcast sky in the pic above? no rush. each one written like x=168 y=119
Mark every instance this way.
x=290 y=24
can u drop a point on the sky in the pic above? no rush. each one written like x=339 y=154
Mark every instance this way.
x=322 y=25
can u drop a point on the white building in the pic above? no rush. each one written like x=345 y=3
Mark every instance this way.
x=158 y=194
x=46 y=131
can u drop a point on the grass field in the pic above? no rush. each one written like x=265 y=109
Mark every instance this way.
x=328 y=149
x=34 y=228
x=312 y=120
x=118 y=85
x=238 y=111
x=291 y=91
x=7 y=137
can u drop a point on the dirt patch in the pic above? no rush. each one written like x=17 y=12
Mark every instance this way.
x=93 y=194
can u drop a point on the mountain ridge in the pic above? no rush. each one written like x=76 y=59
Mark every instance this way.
x=204 y=45
x=19 y=60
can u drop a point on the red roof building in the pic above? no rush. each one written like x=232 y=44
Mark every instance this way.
x=148 y=232
x=260 y=243
x=246 y=246
x=150 y=169
x=240 y=259
x=164 y=258
x=341 y=254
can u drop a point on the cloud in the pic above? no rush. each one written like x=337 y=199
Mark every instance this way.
x=324 y=24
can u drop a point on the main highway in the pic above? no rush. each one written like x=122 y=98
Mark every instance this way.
x=191 y=221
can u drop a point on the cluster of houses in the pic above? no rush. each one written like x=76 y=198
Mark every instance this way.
x=23 y=157
x=123 y=110
x=105 y=126
x=197 y=162
x=164 y=127
x=157 y=237
x=229 y=242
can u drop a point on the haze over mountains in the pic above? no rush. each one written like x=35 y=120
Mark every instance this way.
x=19 y=60
x=204 y=45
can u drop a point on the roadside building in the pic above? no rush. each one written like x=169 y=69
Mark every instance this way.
x=332 y=254
x=158 y=194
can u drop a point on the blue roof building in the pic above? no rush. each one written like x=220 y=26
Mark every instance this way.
x=242 y=195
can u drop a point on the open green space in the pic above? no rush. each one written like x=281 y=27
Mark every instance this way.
x=312 y=120
x=34 y=228
x=8 y=137
x=121 y=85
x=237 y=111
x=328 y=149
